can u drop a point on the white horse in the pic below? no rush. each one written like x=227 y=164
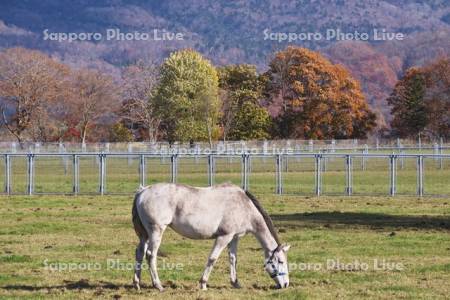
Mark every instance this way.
x=224 y=213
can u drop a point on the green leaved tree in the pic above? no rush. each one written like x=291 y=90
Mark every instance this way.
x=408 y=105
x=420 y=101
x=243 y=117
x=187 y=98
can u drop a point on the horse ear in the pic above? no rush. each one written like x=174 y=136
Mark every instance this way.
x=286 y=247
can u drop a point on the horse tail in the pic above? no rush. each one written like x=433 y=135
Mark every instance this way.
x=138 y=227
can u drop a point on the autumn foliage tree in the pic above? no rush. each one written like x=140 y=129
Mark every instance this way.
x=312 y=98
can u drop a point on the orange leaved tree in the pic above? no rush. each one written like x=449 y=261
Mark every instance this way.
x=311 y=98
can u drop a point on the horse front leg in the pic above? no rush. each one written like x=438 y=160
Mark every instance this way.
x=220 y=244
x=155 y=236
x=232 y=252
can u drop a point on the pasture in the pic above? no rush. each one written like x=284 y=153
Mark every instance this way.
x=83 y=247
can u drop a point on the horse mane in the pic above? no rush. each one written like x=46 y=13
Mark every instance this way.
x=265 y=215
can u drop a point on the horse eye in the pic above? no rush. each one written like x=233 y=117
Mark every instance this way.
x=281 y=262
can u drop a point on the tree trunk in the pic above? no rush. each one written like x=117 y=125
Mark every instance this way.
x=83 y=133
x=209 y=129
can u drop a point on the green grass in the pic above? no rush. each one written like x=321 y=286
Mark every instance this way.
x=94 y=231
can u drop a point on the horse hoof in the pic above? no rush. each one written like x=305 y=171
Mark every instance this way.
x=159 y=287
x=203 y=286
x=137 y=286
x=236 y=285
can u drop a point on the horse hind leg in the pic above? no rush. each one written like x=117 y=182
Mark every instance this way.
x=155 y=233
x=140 y=253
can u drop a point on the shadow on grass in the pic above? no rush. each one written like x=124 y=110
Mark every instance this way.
x=356 y=219
x=82 y=284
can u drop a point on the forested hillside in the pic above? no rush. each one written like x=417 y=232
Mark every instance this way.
x=229 y=32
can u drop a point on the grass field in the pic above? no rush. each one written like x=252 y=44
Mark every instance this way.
x=410 y=235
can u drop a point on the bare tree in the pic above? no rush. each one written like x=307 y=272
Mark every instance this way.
x=29 y=82
x=94 y=97
x=139 y=82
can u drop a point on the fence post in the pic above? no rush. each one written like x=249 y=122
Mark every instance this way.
x=279 y=175
x=286 y=163
x=324 y=161
x=130 y=150
x=349 y=178
x=30 y=173
x=174 y=162
x=392 y=164
x=102 y=174
x=76 y=169
x=441 y=145
x=420 y=175
x=402 y=159
x=318 y=174
x=244 y=178
x=142 y=170
x=363 y=157
x=210 y=170
x=64 y=159
x=7 y=174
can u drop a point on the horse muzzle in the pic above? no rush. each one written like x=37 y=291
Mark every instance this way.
x=285 y=285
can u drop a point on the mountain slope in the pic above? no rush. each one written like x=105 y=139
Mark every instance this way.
x=233 y=32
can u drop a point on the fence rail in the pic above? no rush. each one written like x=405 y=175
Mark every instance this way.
x=299 y=173
x=400 y=146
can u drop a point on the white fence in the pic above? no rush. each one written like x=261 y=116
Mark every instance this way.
x=438 y=146
x=293 y=173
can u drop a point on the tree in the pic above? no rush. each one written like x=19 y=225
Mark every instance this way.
x=120 y=133
x=311 y=98
x=437 y=97
x=407 y=104
x=94 y=98
x=420 y=101
x=31 y=84
x=376 y=70
x=187 y=97
x=251 y=121
x=243 y=117
x=140 y=81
